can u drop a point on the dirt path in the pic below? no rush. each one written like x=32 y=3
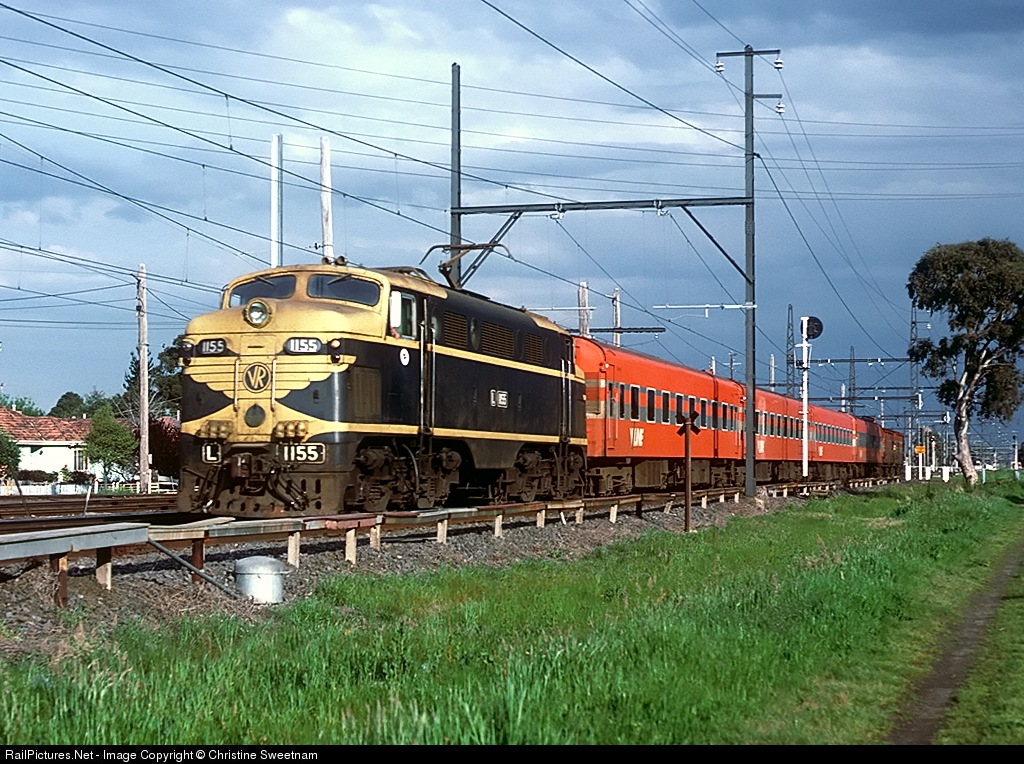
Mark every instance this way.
x=924 y=715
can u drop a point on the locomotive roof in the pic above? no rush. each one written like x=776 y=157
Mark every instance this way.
x=402 y=277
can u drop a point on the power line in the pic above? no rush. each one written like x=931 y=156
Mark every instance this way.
x=610 y=81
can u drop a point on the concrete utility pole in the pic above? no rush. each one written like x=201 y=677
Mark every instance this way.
x=583 y=299
x=144 y=475
x=326 y=201
x=276 y=200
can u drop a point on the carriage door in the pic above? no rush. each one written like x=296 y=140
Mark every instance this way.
x=715 y=417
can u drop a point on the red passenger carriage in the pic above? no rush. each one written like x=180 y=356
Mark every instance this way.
x=635 y=404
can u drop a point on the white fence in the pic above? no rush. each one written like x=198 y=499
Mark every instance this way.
x=7 y=488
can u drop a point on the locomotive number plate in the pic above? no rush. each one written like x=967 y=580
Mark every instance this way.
x=309 y=453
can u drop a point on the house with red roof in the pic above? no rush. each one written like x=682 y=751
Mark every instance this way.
x=48 y=443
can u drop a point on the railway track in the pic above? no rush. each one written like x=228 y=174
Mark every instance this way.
x=58 y=528
x=17 y=507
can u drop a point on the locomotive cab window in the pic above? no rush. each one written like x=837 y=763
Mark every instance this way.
x=277 y=287
x=343 y=287
x=403 y=315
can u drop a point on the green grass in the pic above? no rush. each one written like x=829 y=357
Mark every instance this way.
x=807 y=626
x=989 y=708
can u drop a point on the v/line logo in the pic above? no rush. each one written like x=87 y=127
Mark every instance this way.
x=636 y=437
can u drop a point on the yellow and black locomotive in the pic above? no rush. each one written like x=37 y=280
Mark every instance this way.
x=325 y=388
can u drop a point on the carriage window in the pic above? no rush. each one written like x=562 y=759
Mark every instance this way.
x=680 y=414
x=276 y=287
x=403 y=315
x=652 y=399
x=622 y=401
x=714 y=415
x=703 y=413
x=665 y=407
x=343 y=287
x=634 y=403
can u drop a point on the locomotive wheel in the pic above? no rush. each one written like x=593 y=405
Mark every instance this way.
x=529 y=491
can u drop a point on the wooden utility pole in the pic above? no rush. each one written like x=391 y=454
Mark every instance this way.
x=144 y=474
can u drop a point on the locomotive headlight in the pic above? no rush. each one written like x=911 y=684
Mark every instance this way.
x=215 y=429
x=289 y=429
x=256 y=313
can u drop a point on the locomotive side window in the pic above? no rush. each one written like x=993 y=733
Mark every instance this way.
x=276 y=287
x=652 y=398
x=403 y=315
x=634 y=403
x=343 y=287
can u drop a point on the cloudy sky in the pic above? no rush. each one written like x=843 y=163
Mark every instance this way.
x=139 y=133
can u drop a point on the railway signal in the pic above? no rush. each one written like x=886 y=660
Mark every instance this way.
x=811 y=328
x=688 y=428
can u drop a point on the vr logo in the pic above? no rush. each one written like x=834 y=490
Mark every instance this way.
x=256 y=377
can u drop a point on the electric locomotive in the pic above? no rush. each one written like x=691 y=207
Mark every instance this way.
x=318 y=389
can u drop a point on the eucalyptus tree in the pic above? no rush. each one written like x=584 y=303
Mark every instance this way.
x=978 y=287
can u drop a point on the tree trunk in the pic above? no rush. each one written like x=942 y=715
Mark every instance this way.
x=961 y=424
